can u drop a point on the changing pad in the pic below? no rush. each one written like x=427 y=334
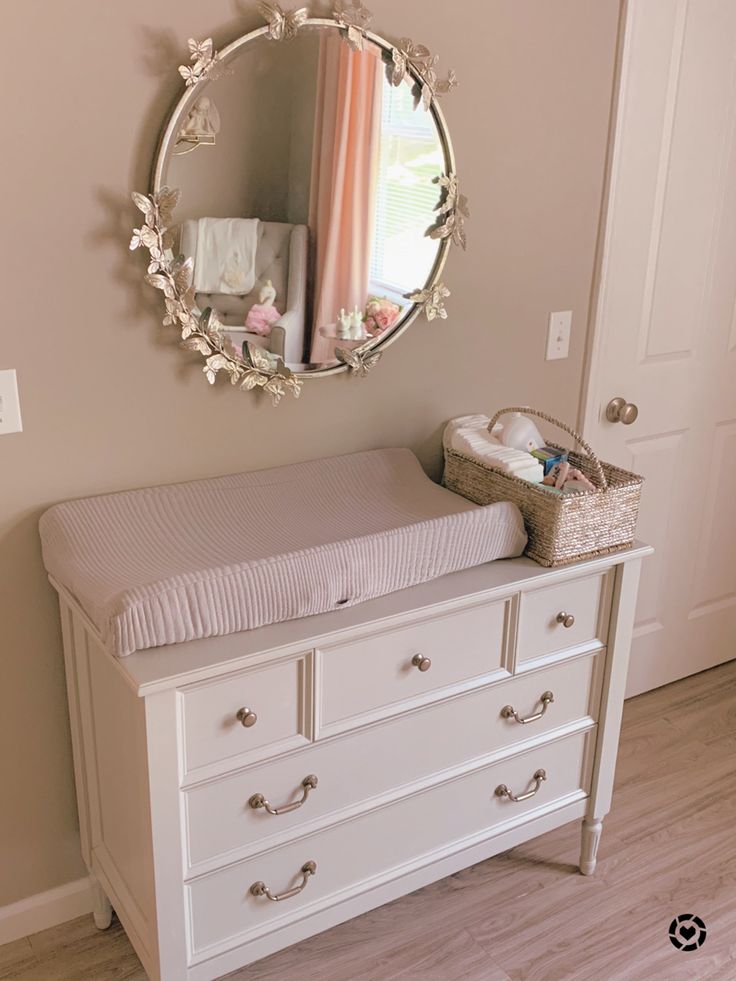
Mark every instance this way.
x=185 y=561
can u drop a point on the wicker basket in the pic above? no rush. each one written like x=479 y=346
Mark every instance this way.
x=562 y=528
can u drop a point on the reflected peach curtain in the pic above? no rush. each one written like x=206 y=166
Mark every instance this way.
x=344 y=168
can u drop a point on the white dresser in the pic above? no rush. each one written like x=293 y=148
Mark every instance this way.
x=240 y=793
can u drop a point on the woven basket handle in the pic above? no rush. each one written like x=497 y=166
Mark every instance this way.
x=599 y=475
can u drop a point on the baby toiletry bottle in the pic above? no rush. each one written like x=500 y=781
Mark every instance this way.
x=521 y=433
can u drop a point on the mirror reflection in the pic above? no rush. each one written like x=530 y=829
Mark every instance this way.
x=309 y=187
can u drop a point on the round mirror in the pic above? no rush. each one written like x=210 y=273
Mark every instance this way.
x=312 y=179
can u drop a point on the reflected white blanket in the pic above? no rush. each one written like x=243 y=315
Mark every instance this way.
x=224 y=253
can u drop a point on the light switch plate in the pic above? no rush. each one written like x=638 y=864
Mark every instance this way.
x=10 y=421
x=558 y=335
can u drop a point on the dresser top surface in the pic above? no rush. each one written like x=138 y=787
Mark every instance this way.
x=177 y=664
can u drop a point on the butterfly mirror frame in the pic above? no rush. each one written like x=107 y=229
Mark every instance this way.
x=200 y=331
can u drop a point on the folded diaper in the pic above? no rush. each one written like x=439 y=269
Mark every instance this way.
x=469 y=435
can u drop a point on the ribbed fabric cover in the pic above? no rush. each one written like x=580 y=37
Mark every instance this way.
x=211 y=557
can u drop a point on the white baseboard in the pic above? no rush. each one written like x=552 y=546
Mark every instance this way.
x=45 y=909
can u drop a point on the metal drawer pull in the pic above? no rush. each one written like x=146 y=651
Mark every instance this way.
x=261 y=889
x=247 y=717
x=566 y=619
x=258 y=800
x=503 y=791
x=421 y=662
x=508 y=711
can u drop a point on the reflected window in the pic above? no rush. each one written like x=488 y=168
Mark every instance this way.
x=410 y=158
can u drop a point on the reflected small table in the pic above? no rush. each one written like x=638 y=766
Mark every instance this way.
x=335 y=341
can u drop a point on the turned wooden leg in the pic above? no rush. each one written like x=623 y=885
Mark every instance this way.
x=101 y=910
x=591 y=835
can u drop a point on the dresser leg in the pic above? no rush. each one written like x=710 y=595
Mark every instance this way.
x=591 y=835
x=101 y=910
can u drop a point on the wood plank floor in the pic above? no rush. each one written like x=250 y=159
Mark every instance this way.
x=668 y=847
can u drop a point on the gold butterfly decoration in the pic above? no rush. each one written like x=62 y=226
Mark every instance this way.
x=268 y=371
x=261 y=359
x=201 y=51
x=213 y=364
x=281 y=25
x=359 y=362
x=453 y=210
x=355 y=18
x=407 y=55
x=205 y=63
x=432 y=300
x=158 y=207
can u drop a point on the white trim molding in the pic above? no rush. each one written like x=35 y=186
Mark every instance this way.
x=45 y=909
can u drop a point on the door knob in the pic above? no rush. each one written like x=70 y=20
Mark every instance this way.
x=619 y=410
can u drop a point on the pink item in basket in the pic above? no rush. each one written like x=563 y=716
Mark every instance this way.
x=261 y=319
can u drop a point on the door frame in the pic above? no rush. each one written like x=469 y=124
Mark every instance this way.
x=589 y=405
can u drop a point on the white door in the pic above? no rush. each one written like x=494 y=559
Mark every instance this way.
x=665 y=335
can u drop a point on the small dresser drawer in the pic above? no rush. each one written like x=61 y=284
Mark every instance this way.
x=382 y=674
x=390 y=840
x=249 y=714
x=562 y=616
x=388 y=759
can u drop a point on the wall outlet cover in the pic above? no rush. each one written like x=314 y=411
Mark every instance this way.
x=558 y=335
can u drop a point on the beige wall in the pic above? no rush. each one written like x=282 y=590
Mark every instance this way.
x=108 y=400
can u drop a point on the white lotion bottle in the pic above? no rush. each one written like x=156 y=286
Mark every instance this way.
x=520 y=433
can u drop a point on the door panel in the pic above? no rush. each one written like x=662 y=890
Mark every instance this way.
x=666 y=326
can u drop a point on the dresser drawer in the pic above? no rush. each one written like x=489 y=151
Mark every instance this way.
x=387 y=759
x=562 y=616
x=378 y=675
x=249 y=714
x=408 y=834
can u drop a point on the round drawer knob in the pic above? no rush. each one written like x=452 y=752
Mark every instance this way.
x=566 y=619
x=246 y=717
x=421 y=662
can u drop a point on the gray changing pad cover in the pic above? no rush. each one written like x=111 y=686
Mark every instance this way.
x=185 y=561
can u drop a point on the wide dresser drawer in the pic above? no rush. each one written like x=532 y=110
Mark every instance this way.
x=232 y=905
x=233 y=815
x=386 y=672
